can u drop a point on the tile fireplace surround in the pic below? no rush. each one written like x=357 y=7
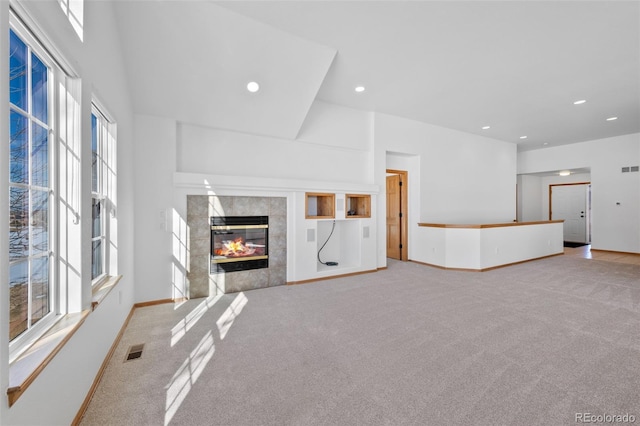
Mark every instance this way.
x=200 y=208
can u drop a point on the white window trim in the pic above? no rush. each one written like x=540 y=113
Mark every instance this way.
x=22 y=342
x=104 y=191
x=64 y=82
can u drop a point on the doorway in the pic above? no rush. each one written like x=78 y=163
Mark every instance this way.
x=571 y=202
x=397 y=208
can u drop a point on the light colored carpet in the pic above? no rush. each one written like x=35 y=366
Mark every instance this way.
x=534 y=343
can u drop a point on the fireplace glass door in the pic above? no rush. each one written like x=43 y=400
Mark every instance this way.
x=239 y=243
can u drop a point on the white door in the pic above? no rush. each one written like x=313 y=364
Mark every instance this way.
x=570 y=203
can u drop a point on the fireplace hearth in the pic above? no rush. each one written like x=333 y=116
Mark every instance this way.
x=239 y=243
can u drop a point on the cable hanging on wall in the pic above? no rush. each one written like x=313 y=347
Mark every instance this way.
x=333 y=227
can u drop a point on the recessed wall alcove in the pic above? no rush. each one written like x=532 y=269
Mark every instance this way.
x=200 y=208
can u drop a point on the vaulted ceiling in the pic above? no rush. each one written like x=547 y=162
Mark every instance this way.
x=192 y=60
x=516 y=66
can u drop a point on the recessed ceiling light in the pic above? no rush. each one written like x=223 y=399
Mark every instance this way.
x=523 y=137
x=486 y=127
x=580 y=102
x=564 y=173
x=359 y=89
x=612 y=118
x=253 y=87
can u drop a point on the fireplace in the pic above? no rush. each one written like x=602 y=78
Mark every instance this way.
x=239 y=243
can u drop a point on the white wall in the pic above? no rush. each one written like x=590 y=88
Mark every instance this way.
x=463 y=178
x=333 y=147
x=529 y=198
x=615 y=226
x=337 y=126
x=57 y=393
x=155 y=158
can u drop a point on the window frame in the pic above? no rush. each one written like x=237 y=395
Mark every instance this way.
x=102 y=193
x=21 y=342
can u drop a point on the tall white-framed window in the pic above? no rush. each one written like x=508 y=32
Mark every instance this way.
x=103 y=173
x=45 y=260
x=32 y=224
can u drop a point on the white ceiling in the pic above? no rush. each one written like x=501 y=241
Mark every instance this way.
x=192 y=60
x=516 y=66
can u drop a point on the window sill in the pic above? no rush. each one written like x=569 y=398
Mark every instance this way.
x=24 y=370
x=101 y=290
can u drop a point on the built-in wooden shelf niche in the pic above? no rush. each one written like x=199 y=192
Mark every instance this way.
x=358 y=205
x=320 y=205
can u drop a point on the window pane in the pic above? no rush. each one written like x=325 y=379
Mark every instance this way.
x=19 y=161
x=40 y=156
x=18 y=298
x=18 y=223
x=40 y=221
x=94 y=153
x=96 y=229
x=39 y=89
x=30 y=195
x=17 y=72
x=96 y=260
x=39 y=288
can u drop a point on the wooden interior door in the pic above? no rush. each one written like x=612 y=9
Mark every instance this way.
x=394 y=225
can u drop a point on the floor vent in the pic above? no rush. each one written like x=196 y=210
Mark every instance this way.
x=134 y=352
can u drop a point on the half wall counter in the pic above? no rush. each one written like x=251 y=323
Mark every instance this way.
x=482 y=247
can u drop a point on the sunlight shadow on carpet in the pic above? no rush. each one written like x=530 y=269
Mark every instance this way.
x=191 y=319
x=190 y=370
x=187 y=375
x=226 y=319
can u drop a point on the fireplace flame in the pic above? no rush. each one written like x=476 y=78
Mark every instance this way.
x=234 y=248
